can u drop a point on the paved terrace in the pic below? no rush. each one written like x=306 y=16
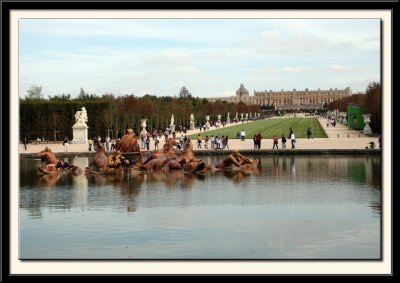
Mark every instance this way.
x=340 y=140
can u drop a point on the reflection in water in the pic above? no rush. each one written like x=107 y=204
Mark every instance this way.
x=48 y=180
x=363 y=170
x=292 y=207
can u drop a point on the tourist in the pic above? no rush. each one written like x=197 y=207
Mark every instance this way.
x=290 y=132
x=174 y=135
x=206 y=142
x=26 y=144
x=327 y=123
x=226 y=142
x=112 y=144
x=311 y=132
x=218 y=142
x=259 y=138
x=308 y=132
x=198 y=141
x=371 y=145
x=90 y=143
x=156 y=142
x=283 y=140
x=238 y=135
x=255 y=142
x=242 y=135
x=275 y=139
x=148 y=142
x=107 y=143
x=65 y=144
x=293 y=140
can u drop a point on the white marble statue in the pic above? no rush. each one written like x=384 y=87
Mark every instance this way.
x=81 y=117
x=172 y=119
x=191 y=118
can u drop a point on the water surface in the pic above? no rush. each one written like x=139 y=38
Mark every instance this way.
x=295 y=207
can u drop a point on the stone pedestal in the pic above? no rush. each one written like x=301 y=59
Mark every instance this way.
x=344 y=121
x=367 y=129
x=80 y=134
x=191 y=125
x=172 y=128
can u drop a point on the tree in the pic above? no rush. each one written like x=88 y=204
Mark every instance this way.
x=60 y=97
x=373 y=98
x=34 y=92
x=184 y=93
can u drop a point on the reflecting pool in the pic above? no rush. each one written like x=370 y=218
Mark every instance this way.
x=294 y=207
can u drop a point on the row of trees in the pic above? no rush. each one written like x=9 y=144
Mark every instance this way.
x=370 y=101
x=54 y=117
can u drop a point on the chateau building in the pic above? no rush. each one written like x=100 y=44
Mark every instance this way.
x=295 y=99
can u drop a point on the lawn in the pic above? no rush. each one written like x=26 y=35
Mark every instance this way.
x=270 y=127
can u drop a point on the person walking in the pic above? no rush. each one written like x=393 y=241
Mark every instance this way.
x=283 y=140
x=90 y=143
x=65 y=144
x=25 y=144
x=148 y=142
x=293 y=140
x=198 y=141
x=259 y=138
x=156 y=142
x=242 y=135
x=108 y=143
x=275 y=139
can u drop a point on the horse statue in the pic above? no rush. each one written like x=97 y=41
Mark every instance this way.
x=129 y=144
x=159 y=158
x=188 y=162
x=105 y=165
x=243 y=163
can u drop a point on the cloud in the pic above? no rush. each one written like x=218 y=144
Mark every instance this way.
x=168 y=57
x=186 y=71
x=343 y=69
x=210 y=57
x=270 y=34
x=297 y=70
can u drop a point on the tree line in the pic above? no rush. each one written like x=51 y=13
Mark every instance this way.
x=52 y=118
x=370 y=101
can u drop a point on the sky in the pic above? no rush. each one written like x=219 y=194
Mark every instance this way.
x=210 y=57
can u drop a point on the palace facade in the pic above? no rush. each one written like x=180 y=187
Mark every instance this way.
x=295 y=99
